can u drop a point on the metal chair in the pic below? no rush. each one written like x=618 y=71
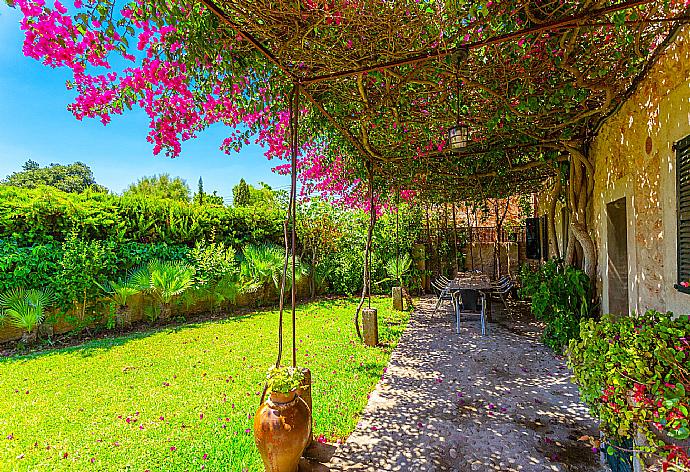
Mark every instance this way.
x=502 y=289
x=444 y=280
x=503 y=280
x=442 y=292
x=469 y=300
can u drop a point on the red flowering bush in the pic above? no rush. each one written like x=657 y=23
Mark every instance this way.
x=634 y=373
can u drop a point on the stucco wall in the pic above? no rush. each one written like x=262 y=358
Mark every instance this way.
x=634 y=160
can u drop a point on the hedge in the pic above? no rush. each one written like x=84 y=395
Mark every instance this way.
x=45 y=214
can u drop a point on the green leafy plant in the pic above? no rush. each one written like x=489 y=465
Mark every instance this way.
x=560 y=298
x=25 y=309
x=83 y=263
x=44 y=214
x=284 y=379
x=225 y=290
x=633 y=372
x=163 y=281
x=119 y=292
x=263 y=265
x=212 y=262
x=397 y=269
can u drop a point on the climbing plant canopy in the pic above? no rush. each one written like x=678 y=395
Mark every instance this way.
x=380 y=82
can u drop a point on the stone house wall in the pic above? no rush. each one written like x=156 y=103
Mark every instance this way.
x=634 y=160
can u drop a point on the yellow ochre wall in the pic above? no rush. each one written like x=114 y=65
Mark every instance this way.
x=658 y=113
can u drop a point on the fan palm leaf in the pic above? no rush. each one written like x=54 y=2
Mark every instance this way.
x=398 y=268
x=263 y=264
x=119 y=291
x=25 y=309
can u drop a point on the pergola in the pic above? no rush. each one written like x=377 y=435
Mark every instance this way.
x=386 y=80
x=524 y=82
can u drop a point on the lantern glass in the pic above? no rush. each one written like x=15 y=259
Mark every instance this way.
x=458 y=137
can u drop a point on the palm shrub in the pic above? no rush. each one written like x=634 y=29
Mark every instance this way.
x=263 y=265
x=399 y=268
x=396 y=272
x=164 y=282
x=320 y=275
x=119 y=292
x=25 y=309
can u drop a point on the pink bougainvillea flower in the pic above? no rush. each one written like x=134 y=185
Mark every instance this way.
x=173 y=448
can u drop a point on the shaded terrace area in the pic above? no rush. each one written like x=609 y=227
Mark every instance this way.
x=451 y=402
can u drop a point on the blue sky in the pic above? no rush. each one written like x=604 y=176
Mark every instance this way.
x=35 y=124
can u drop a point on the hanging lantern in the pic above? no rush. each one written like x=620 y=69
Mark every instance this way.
x=458 y=137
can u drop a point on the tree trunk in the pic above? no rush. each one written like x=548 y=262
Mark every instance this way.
x=589 y=258
x=580 y=191
x=551 y=218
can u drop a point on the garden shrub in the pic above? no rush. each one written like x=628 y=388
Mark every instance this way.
x=44 y=214
x=74 y=244
x=344 y=264
x=560 y=298
x=634 y=373
x=212 y=262
x=69 y=268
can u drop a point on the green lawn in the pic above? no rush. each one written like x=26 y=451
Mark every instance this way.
x=182 y=398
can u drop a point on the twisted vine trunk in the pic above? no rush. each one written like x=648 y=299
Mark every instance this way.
x=581 y=250
x=551 y=218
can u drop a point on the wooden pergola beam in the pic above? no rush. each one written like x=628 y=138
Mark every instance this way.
x=220 y=13
x=570 y=22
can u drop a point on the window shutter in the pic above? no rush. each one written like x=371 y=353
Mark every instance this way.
x=683 y=210
x=532 y=238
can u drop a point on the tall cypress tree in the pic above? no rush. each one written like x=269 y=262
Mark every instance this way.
x=201 y=191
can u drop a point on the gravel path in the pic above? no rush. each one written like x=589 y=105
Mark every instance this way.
x=465 y=402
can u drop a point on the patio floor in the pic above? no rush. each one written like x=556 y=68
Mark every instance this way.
x=465 y=402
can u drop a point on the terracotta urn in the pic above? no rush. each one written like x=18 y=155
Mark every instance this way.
x=282 y=429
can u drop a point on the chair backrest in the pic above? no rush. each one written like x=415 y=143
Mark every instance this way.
x=470 y=299
x=505 y=288
x=437 y=287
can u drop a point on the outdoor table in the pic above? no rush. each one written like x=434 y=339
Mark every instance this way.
x=468 y=280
